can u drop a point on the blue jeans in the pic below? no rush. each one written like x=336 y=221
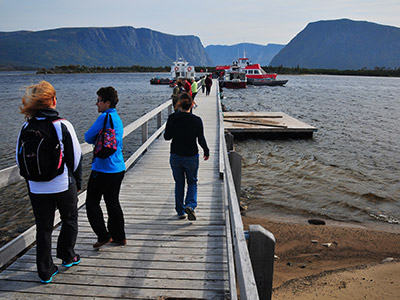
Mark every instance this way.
x=184 y=167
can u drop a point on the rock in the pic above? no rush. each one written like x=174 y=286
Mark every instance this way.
x=388 y=259
x=302 y=266
x=289 y=264
x=276 y=257
x=327 y=245
x=316 y=222
x=314 y=241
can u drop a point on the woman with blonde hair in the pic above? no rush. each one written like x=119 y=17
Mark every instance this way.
x=50 y=184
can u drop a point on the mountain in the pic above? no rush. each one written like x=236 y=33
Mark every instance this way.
x=225 y=55
x=342 y=44
x=115 y=46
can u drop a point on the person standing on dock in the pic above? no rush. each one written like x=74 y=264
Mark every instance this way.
x=194 y=87
x=208 y=82
x=185 y=130
x=175 y=93
x=52 y=183
x=187 y=86
x=203 y=83
x=107 y=174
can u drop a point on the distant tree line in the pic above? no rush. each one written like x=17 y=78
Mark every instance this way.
x=86 y=69
x=377 y=71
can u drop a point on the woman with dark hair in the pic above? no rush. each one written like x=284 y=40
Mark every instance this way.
x=106 y=176
x=185 y=130
x=47 y=194
x=208 y=82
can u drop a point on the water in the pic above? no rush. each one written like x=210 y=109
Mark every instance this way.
x=349 y=171
x=76 y=99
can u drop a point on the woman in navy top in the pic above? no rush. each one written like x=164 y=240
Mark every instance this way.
x=107 y=174
x=185 y=130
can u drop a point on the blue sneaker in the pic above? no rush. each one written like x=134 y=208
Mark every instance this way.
x=50 y=279
x=76 y=260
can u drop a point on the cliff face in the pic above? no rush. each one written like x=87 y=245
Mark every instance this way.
x=225 y=55
x=342 y=44
x=117 y=46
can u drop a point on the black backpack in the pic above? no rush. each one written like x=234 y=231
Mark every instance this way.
x=40 y=156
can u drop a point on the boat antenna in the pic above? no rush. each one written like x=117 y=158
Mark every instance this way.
x=244 y=47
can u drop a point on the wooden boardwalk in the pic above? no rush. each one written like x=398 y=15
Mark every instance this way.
x=165 y=257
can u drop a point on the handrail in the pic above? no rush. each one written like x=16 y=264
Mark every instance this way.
x=11 y=175
x=244 y=271
x=24 y=240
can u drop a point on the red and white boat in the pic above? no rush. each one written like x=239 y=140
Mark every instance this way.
x=254 y=72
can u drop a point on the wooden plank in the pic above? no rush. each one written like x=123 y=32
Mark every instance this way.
x=140 y=264
x=70 y=277
x=177 y=257
x=124 y=291
x=154 y=249
x=131 y=272
x=240 y=122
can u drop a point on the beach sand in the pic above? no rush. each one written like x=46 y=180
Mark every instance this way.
x=351 y=268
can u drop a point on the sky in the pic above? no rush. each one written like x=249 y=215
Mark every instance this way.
x=215 y=22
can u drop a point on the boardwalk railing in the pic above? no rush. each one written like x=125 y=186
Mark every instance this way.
x=243 y=269
x=11 y=175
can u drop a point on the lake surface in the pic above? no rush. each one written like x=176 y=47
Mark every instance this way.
x=349 y=171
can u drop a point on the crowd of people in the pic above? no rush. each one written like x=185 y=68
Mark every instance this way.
x=46 y=134
x=190 y=86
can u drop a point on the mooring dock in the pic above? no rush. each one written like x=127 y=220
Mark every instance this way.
x=266 y=124
x=165 y=257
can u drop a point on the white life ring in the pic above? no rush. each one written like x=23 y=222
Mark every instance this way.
x=176 y=68
x=189 y=69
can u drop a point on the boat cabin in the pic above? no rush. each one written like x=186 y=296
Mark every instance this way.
x=181 y=69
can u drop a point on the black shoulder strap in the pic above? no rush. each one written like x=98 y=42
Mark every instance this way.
x=105 y=122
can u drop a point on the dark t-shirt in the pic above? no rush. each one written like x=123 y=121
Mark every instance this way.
x=185 y=130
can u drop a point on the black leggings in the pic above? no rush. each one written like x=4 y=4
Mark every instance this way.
x=107 y=185
x=44 y=206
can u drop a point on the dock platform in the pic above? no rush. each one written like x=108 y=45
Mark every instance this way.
x=165 y=257
x=270 y=125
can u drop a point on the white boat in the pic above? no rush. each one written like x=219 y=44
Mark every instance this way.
x=181 y=69
x=234 y=78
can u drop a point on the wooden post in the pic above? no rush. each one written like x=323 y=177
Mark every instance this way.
x=235 y=160
x=159 y=120
x=229 y=141
x=145 y=132
x=262 y=251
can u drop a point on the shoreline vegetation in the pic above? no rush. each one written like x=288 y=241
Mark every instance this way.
x=72 y=69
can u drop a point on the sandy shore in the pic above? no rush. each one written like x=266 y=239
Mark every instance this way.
x=351 y=268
